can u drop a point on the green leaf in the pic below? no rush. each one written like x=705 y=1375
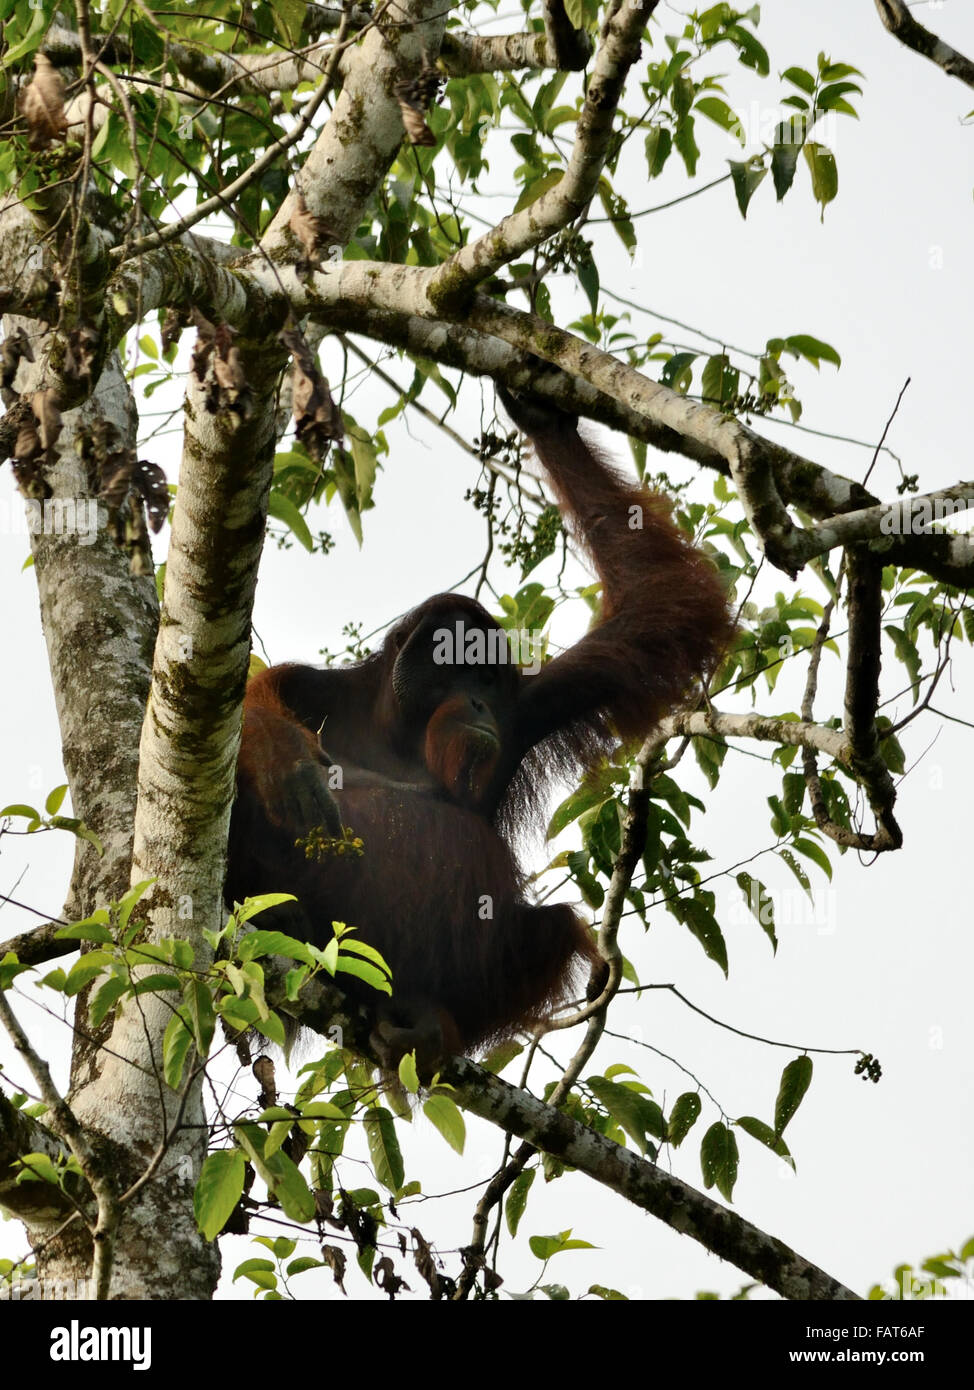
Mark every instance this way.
x=677 y=372
x=85 y=970
x=445 y=1116
x=256 y=1270
x=588 y=278
x=86 y=931
x=132 y=897
x=544 y=1247
x=53 y=803
x=719 y=381
x=281 y=508
x=751 y=51
x=813 y=349
x=814 y=852
x=10 y=968
x=760 y=904
x=586 y=798
x=279 y=1172
x=717 y=110
x=683 y=1117
x=719 y=1159
x=784 y=162
x=800 y=78
x=274 y=943
x=176 y=1042
x=824 y=171
x=686 y=144
x=380 y=1131
x=536 y=187
x=361 y=969
x=796 y=869
x=764 y=1134
x=40 y=18
x=199 y=1004
x=795 y=1081
x=659 y=145
x=104 y=1000
x=747 y=176
x=517 y=1198
x=272 y=1027
x=219 y=1189
x=832 y=98
x=408 y=1074
x=701 y=922
x=637 y=1114
x=362 y=948
x=498 y=1057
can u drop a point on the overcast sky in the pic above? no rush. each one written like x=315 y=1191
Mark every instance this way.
x=884 y=962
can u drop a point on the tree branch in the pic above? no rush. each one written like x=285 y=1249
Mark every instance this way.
x=896 y=17
x=452 y=282
x=862 y=695
x=642 y=1183
x=36 y=1203
x=38 y=945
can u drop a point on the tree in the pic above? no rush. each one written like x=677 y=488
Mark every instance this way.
x=333 y=158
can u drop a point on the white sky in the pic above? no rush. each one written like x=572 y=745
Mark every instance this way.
x=884 y=1173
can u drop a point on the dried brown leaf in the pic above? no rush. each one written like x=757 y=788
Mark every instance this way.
x=414 y=119
x=173 y=323
x=150 y=481
x=334 y=1258
x=16 y=349
x=313 y=232
x=317 y=419
x=228 y=370
x=79 y=354
x=265 y=1073
x=28 y=447
x=46 y=406
x=28 y=452
x=42 y=104
x=414 y=96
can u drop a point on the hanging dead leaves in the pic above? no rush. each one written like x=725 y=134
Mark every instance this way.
x=415 y=96
x=39 y=431
x=42 y=105
x=16 y=349
x=314 y=235
x=173 y=323
x=317 y=419
x=34 y=446
x=79 y=357
x=134 y=491
x=217 y=366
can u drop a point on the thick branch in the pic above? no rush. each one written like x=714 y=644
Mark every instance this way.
x=766 y=728
x=896 y=16
x=642 y=1183
x=321 y=1007
x=862 y=695
x=362 y=136
x=38 y=1203
x=38 y=945
x=464 y=54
